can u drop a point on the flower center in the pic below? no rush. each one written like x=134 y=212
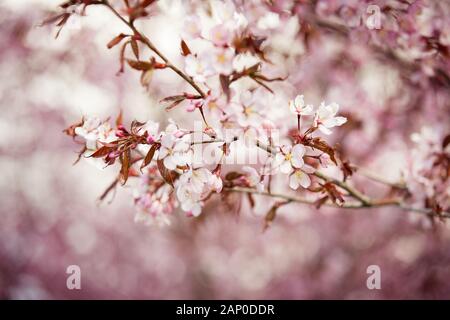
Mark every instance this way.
x=248 y=110
x=221 y=58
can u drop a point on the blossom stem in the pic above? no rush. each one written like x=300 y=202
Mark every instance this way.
x=152 y=47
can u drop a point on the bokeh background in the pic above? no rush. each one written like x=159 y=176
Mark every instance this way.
x=50 y=217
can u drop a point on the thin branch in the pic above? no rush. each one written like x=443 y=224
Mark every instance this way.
x=152 y=47
x=352 y=191
x=372 y=205
x=374 y=177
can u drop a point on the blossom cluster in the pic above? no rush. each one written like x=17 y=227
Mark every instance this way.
x=171 y=179
x=429 y=167
x=228 y=54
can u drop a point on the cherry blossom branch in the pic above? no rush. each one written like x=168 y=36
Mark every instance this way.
x=372 y=205
x=352 y=191
x=152 y=47
x=385 y=54
x=365 y=201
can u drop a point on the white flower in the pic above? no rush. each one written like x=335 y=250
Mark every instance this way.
x=174 y=151
x=193 y=186
x=325 y=117
x=198 y=69
x=105 y=133
x=290 y=158
x=297 y=106
x=269 y=21
x=223 y=60
x=190 y=201
x=240 y=22
x=93 y=130
x=192 y=28
x=153 y=208
x=151 y=128
x=220 y=35
x=253 y=178
x=248 y=107
x=300 y=177
x=222 y=11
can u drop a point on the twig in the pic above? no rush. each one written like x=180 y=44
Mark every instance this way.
x=152 y=47
x=372 y=205
x=352 y=191
x=374 y=177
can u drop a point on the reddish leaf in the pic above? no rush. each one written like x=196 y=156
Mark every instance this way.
x=119 y=119
x=446 y=141
x=321 y=201
x=124 y=170
x=251 y=200
x=347 y=169
x=175 y=100
x=225 y=84
x=111 y=187
x=317 y=143
x=168 y=175
x=122 y=57
x=116 y=40
x=140 y=65
x=101 y=152
x=146 y=3
x=55 y=18
x=148 y=158
x=70 y=131
x=185 y=51
x=270 y=216
x=135 y=47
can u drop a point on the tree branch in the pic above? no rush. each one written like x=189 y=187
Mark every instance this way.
x=152 y=47
x=372 y=205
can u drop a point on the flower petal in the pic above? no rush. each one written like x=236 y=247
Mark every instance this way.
x=308 y=110
x=297 y=162
x=286 y=167
x=299 y=102
x=324 y=129
x=169 y=163
x=293 y=182
x=298 y=151
x=305 y=180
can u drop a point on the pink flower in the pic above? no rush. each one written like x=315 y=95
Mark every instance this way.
x=253 y=178
x=297 y=106
x=193 y=185
x=220 y=35
x=300 y=177
x=198 y=69
x=222 y=60
x=290 y=158
x=325 y=117
x=174 y=151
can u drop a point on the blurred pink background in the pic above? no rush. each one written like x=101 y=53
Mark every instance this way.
x=49 y=217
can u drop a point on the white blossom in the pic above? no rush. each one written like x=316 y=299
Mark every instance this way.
x=297 y=106
x=325 y=117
